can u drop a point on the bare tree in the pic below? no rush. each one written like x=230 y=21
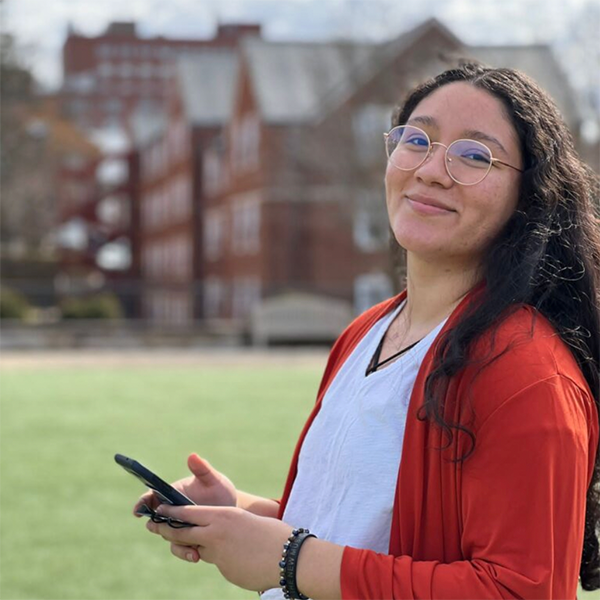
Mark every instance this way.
x=26 y=207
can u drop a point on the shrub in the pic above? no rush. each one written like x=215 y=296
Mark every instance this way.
x=101 y=306
x=13 y=304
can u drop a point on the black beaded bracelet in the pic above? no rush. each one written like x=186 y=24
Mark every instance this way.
x=289 y=563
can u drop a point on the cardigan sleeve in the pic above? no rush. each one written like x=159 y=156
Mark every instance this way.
x=522 y=508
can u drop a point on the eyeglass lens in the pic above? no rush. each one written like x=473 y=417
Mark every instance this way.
x=467 y=161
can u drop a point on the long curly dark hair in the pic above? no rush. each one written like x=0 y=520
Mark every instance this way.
x=547 y=256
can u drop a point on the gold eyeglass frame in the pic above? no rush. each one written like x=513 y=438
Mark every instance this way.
x=447 y=159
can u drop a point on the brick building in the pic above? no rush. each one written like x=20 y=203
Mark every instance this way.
x=108 y=77
x=171 y=183
x=111 y=82
x=287 y=193
x=272 y=222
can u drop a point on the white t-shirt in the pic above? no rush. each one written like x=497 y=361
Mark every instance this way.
x=348 y=464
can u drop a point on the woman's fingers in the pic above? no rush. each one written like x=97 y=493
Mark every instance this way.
x=202 y=517
x=200 y=468
x=197 y=515
x=189 y=553
x=149 y=499
x=184 y=536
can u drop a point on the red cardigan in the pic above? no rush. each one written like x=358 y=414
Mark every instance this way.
x=509 y=522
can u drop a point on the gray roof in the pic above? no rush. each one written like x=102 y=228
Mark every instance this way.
x=539 y=62
x=207 y=80
x=382 y=55
x=406 y=40
x=298 y=82
x=290 y=79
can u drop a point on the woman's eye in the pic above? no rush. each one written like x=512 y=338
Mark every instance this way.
x=477 y=157
x=417 y=141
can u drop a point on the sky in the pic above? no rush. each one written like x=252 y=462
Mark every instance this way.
x=40 y=37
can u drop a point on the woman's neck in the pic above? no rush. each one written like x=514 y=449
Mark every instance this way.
x=434 y=289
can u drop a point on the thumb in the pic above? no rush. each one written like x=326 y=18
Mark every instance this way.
x=200 y=468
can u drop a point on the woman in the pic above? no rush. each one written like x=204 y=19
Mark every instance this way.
x=482 y=377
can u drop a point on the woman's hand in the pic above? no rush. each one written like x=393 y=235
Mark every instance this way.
x=206 y=486
x=244 y=547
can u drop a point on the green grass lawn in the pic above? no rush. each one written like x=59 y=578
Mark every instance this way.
x=65 y=521
x=66 y=526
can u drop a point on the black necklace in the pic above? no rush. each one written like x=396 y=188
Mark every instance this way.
x=375 y=364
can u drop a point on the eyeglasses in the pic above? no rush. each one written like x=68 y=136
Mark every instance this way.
x=467 y=161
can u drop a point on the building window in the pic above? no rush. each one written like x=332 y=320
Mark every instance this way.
x=179 y=309
x=103 y=51
x=82 y=83
x=153 y=209
x=249 y=142
x=178 y=199
x=145 y=70
x=126 y=51
x=154 y=160
x=126 y=70
x=164 y=206
x=214 y=297
x=127 y=87
x=78 y=107
x=211 y=171
x=245 y=143
x=177 y=139
x=148 y=265
x=146 y=164
x=105 y=69
x=165 y=70
x=246 y=295
x=369 y=123
x=371 y=228
x=214 y=233
x=234 y=145
x=180 y=257
x=113 y=106
x=371 y=289
x=245 y=234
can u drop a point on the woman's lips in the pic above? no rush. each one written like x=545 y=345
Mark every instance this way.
x=427 y=209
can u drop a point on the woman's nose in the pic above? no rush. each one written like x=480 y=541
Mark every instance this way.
x=434 y=168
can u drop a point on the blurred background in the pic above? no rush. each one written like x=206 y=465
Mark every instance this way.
x=192 y=209
x=200 y=172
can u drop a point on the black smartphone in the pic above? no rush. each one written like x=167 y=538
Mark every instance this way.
x=167 y=493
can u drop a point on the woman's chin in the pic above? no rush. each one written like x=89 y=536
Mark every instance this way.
x=425 y=246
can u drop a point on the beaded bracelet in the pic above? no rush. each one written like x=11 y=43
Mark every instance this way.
x=289 y=563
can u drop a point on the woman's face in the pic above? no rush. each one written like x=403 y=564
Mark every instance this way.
x=473 y=215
